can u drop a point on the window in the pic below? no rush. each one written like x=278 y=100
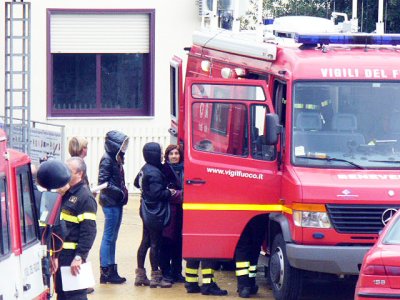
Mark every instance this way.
x=27 y=206
x=228 y=92
x=220 y=128
x=4 y=219
x=101 y=64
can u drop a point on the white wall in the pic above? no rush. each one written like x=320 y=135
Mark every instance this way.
x=175 y=21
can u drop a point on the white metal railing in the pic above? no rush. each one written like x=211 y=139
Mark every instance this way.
x=133 y=158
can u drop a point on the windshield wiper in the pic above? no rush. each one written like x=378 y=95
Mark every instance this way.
x=327 y=158
x=386 y=161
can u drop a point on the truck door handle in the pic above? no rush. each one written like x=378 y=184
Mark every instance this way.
x=195 y=181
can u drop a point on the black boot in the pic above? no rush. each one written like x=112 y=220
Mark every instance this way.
x=244 y=292
x=212 y=289
x=109 y=275
x=114 y=276
x=192 y=287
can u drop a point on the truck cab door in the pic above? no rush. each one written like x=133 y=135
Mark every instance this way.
x=30 y=256
x=176 y=101
x=9 y=263
x=230 y=174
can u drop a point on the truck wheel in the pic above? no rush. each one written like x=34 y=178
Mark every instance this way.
x=286 y=282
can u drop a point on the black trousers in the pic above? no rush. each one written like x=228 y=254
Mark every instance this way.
x=248 y=250
x=150 y=239
x=65 y=259
x=171 y=256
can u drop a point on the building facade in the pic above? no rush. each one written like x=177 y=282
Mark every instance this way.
x=103 y=65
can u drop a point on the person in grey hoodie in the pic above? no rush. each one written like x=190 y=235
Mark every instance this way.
x=112 y=199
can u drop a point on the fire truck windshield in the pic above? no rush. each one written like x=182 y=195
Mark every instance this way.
x=342 y=122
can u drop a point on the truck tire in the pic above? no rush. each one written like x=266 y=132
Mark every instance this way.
x=286 y=282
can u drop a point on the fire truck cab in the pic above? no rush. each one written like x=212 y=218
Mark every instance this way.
x=303 y=127
x=20 y=250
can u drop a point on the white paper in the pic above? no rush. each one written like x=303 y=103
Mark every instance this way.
x=97 y=188
x=83 y=280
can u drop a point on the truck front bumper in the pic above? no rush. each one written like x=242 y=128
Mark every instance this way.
x=327 y=259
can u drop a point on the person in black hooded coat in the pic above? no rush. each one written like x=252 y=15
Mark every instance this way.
x=155 y=213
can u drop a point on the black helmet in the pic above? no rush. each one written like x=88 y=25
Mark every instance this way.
x=53 y=174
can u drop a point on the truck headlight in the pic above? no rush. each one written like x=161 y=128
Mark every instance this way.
x=313 y=219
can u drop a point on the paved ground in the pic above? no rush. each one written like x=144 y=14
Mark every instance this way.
x=128 y=242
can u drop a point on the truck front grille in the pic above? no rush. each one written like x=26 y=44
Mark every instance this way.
x=357 y=218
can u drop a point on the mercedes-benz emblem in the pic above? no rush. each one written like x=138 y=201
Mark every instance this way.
x=387 y=215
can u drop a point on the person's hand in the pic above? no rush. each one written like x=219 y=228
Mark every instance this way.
x=76 y=266
x=173 y=191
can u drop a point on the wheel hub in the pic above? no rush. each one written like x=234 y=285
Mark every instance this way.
x=277 y=268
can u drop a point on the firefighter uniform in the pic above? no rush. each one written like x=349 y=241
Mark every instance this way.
x=209 y=286
x=78 y=214
x=247 y=253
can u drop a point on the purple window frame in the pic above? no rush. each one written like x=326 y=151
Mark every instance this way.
x=147 y=110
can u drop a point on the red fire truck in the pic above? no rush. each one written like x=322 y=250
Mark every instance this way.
x=21 y=253
x=302 y=127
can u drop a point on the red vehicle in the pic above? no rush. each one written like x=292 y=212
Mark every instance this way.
x=304 y=129
x=21 y=252
x=380 y=272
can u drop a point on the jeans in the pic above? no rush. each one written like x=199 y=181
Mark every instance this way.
x=112 y=223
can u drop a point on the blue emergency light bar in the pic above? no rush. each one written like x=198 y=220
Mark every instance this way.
x=348 y=39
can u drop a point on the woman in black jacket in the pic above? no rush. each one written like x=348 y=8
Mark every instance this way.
x=171 y=256
x=112 y=199
x=155 y=213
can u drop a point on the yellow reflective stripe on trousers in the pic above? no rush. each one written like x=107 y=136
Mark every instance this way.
x=207 y=271
x=191 y=279
x=242 y=272
x=251 y=274
x=242 y=264
x=248 y=207
x=70 y=245
x=207 y=280
x=191 y=271
x=253 y=268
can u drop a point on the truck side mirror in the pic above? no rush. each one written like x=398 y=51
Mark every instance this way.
x=50 y=204
x=273 y=129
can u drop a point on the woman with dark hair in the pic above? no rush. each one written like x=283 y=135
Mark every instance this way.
x=171 y=256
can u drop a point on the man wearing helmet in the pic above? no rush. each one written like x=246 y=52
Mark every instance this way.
x=78 y=212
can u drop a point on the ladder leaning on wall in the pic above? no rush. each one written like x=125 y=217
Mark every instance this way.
x=17 y=74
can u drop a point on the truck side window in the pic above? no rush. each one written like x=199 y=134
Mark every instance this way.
x=4 y=219
x=220 y=127
x=27 y=205
x=259 y=150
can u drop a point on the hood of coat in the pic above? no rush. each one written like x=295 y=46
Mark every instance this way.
x=115 y=143
x=152 y=154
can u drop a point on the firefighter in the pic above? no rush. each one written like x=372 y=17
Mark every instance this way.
x=209 y=286
x=78 y=213
x=246 y=255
